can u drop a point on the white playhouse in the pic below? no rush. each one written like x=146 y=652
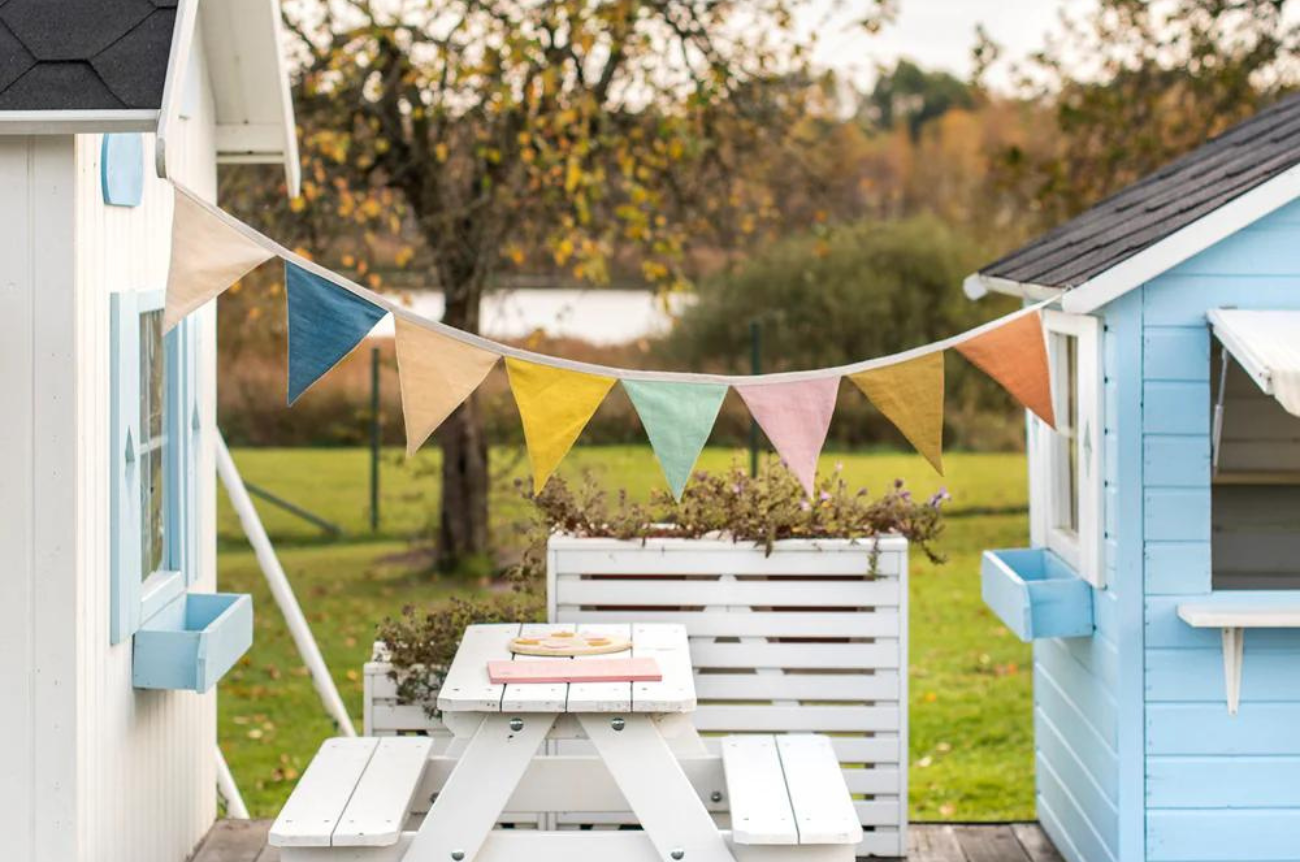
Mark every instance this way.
x=111 y=636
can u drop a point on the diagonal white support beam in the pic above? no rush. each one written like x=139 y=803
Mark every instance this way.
x=281 y=590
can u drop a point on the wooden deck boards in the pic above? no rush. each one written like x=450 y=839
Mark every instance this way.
x=245 y=841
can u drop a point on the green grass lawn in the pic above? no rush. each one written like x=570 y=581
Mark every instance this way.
x=971 y=727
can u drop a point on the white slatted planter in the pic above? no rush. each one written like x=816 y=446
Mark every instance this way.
x=811 y=638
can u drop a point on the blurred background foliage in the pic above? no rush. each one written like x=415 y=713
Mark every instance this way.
x=843 y=221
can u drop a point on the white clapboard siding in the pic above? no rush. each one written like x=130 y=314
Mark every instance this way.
x=92 y=768
x=811 y=638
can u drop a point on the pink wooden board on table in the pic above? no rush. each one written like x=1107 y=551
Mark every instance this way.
x=567 y=670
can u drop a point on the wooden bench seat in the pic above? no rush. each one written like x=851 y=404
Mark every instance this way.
x=356 y=793
x=787 y=790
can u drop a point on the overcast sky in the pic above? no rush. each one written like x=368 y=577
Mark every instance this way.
x=938 y=34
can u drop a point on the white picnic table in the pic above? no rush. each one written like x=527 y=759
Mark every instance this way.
x=625 y=722
x=784 y=796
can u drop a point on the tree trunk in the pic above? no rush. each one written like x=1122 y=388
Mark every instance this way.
x=463 y=523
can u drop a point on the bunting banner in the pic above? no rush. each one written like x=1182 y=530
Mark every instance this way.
x=326 y=323
x=1015 y=355
x=554 y=406
x=795 y=417
x=678 y=418
x=440 y=366
x=910 y=395
x=208 y=256
x=437 y=374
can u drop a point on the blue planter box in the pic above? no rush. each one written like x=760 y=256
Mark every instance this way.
x=193 y=641
x=1036 y=594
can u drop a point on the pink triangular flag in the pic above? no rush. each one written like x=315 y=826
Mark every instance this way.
x=795 y=417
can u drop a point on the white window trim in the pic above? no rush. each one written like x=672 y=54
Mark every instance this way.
x=1083 y=551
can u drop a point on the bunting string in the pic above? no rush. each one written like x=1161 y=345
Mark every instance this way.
x=440 y=366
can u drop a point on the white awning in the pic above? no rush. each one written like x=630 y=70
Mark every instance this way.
x=1267 y=344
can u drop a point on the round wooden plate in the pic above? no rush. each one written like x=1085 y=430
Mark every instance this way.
x=561 y=644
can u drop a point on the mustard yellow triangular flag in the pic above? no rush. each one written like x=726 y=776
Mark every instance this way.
x=208 y=256
x=437 y=374
x=910 y=394
x=554 y=405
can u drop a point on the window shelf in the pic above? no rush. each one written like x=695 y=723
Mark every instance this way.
x=1234 y=612
x=1036 y=594
x=192 y=642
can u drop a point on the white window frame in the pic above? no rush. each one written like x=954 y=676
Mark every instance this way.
x=133 y=599
x=1084 y=549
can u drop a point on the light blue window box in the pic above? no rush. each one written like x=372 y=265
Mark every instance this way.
x=1036 y=594
x=193 y=641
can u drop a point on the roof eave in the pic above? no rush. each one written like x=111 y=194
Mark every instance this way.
x=977 y=285
x=1183 y=244
x=72 y=122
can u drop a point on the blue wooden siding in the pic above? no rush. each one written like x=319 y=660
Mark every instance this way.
x=1217 y=787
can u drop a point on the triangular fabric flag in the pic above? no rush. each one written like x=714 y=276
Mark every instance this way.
x=795 y=416
x=678 y=418
x=437 y=374
x=555 y=405
x=1015 y=355
x=910 y=394
x=208 y=256
x=326 y=322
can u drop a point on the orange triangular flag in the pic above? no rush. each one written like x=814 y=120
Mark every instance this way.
x=208 y=255
x=910 y=394
x=554 y=406
x=437 y=374
x=1015 y=355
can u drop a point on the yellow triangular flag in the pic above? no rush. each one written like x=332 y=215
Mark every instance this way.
x=554 y=405
x=910 y=394
x=437 y=374
x=208 y=255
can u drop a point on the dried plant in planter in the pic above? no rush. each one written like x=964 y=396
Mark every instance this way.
x=762 y=510
x=732 y=505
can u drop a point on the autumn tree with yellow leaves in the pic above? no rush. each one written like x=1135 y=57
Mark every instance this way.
x=568 y=128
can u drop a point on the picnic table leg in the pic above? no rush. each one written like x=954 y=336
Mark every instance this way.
x=658 y=791
x=478 y=789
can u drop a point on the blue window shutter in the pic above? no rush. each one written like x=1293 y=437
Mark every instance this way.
x=124 y=480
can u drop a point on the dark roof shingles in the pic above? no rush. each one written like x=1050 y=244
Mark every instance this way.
x=135 y=66
x=1158 y=205
x=84 y=54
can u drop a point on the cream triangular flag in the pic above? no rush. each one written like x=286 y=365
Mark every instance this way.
x=208 y=255
x=910 y=395
x=437 y=374
x=555 y=404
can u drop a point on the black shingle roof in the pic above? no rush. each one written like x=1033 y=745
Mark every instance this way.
x=84 y=54
x=1160 y=204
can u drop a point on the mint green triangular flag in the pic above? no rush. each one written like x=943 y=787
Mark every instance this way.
x=678 y=418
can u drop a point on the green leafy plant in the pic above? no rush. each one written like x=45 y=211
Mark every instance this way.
x=731 y=505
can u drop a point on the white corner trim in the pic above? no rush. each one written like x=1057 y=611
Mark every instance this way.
x=1184 y=243
x=292 y=165
x=73 y=122
x=178 y=64
x=977 y=286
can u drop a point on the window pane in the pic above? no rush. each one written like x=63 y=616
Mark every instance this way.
x=1072 y=412
x=153 y=441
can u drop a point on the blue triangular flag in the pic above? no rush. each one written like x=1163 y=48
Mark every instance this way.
x=325 y=323
x=677 y=418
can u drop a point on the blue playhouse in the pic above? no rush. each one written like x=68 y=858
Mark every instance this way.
x=1162 y=586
